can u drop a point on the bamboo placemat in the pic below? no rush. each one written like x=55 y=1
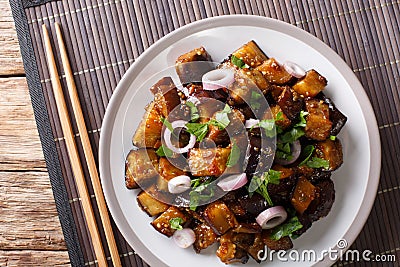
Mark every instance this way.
x=103 y=38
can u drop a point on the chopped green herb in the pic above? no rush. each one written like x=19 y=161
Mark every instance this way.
x=238 y=62
x=302 y=122
x=269 y=126
x=254 y=100
x=283 y=151
x=197 y=129
x=194 y=112
x=306 y=154
x=292 y=135
x=164 y=151
x=176 y=223
x=233 y=156
x=167 y=124
x=198 y=194
x=332 y=137
x=286 y=229
x=279 y=116
x=260 y=184
x=318 y=163
x=221 y=118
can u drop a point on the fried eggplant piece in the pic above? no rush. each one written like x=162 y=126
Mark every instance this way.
x=219 y=217
x=208 y=161
x=311 y=84
x=140 y=168
x=290 y=102
x=166 y=96
x=284 y=121
x=205 y=237
x=330 y=151
x=251 y=54
x=248 y=228
x=337 y=118
x=257 y=246
x=254 y=204
x=275 y=73
x=197 y=90
x=284 y=243
x=192 y=65
x=318 y=126
x=151 y=205
x=258 y=79
x=167 y=171
x=304 y=193
x=281 y=193
x=228 y=252
x=148 y=133
x=162 y=224
x=321 y=206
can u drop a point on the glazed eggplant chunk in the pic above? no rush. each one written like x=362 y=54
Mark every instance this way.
x=220 y=170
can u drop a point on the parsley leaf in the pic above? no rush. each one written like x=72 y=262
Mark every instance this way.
x=167 y=124
x=221 y=118
x=194 y=112
x=176 y=223
x=238 y=62
x=292 y=135
x=198 y=194
x=279 y=116
x=269 y=127
x=233 y=156
x=197 y=129
x=318 y=163
x=286 y=229
x=260 y=184
x=302 y=122
x=164 y=151
x=283 y=151
x=306 y=154
x=332 y=137
x=255 y=96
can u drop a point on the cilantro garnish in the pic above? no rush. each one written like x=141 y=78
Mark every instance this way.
x=332 y=137
x=176 y=223
x=221 y=118
x=318 y=163
x=306 y=154
x=194 y=112
x=233 y=156
x=292 y=135
x=260 y=184
x=286 y=229
x=197 y=129
x=238 y=62
x=302 y=122
x=198 y=194
x=164 y=151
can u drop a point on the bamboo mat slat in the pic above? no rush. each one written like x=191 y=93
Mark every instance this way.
x=104 y=37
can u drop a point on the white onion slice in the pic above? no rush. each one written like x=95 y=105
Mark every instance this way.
x=295 y=149
x=179 y=184
x=167 y=138
x=184 y=238
x=251 y=123
x=218 y=78
x=271 y=217
x=294 y=69
x=233 y=182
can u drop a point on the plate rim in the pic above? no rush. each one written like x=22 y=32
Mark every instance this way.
x=256 y=21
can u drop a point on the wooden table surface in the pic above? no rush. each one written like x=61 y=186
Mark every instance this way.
x=30 y=231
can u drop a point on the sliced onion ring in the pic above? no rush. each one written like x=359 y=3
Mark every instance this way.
x=294 y=69
x=295 y=149
x=233 y=182
x=219 y=78
x=167 y=138
x=184 y=238
x=251 y=123
x=271 y=217
x=179 y=184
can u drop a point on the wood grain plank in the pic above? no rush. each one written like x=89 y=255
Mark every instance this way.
x=34 y=258
x=20 y=147
x=10 y=56
x=28 y=217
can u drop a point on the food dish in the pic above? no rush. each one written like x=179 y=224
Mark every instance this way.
x=364 y=168
x=241 y=155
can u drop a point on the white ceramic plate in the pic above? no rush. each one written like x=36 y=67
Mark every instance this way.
x=355 y=182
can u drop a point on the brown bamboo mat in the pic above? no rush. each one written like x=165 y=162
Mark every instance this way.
x=103 y=38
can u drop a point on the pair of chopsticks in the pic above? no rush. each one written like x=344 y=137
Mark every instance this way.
x=73 y=151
